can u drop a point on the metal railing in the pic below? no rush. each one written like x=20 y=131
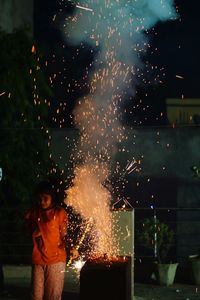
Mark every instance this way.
x=15 y=245
x=184 y=221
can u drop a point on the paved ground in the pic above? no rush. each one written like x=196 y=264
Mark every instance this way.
x=142 y=292
x=17 y=281
x=174 y=292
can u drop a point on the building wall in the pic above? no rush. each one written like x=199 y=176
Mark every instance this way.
x=183 y=111
x=167 y=155
x=163 y=151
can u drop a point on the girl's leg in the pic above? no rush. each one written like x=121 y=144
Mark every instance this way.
x=54 y=281
x=37 y=282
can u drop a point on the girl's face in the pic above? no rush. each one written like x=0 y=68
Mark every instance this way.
x=45 y=200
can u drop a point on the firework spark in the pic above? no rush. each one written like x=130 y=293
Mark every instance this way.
x=179 y=77
x=117 y=29
x=84 y=8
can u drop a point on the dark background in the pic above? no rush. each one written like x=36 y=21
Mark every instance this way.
x=178 y=48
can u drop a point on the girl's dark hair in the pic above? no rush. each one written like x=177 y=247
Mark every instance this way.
x=46 y=187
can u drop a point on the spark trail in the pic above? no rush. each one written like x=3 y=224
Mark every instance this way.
x=118 y=30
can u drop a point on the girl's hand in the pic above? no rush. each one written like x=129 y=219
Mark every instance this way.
x=74 y=253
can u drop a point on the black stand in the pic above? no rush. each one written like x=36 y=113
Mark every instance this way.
x=103 y=279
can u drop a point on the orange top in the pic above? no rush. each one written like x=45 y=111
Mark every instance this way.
x=49 y=228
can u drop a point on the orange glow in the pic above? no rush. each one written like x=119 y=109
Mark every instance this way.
x=91 y=200
x=33 y=49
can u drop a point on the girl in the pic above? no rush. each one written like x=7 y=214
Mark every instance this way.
x=48 y=225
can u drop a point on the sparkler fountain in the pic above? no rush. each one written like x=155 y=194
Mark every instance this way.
x=118 y=30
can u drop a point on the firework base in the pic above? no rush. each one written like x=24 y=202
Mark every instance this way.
x=103 y=279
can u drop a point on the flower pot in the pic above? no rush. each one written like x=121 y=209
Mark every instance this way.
x=196 y=270
x=166 y=273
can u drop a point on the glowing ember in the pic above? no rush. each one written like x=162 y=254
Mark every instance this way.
x=116 y=30
x=180 y=77
x=84 y=8
x=92 y=201
x=109 y=260
x=33 y=49
x=78 y=264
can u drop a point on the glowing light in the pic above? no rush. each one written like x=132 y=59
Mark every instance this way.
x=33 y=49
x=78 y=264
x=97 y=115
x=128 y=233
x=84 y=8
x=179 y=76
x=91 y=200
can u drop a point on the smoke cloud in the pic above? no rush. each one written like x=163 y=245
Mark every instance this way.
x=116 y=24
x=117 y=29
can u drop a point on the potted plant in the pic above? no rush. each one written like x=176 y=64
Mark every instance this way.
x=195 y=266
x=159 y=238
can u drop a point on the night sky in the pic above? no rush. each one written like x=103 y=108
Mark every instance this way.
x=178 y=46
x=177 y=57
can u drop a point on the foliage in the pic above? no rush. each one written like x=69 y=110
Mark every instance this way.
x=24 y=135
x=24 y=150
x=196 y=171
x=150 y=228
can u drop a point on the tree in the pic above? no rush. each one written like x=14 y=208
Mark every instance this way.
x=24 y=135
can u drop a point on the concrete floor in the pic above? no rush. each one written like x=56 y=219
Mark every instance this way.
x=17 y=281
